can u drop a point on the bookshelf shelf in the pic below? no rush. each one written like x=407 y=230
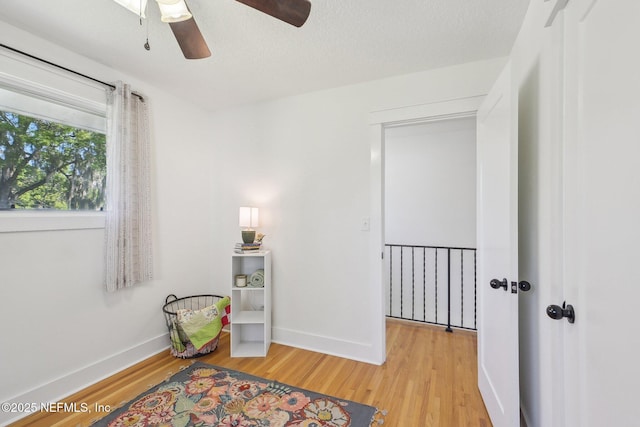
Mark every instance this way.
x=250 y=306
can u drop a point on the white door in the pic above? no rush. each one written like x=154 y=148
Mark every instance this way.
x=602 y=220
x=497 y=229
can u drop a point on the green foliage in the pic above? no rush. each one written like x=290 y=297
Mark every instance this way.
x=45 y=164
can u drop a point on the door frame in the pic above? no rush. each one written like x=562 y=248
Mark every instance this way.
x=379 y=121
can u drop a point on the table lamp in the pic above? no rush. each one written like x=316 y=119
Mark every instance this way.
x=248 y=219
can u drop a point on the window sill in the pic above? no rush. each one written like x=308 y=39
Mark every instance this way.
x=24 y=221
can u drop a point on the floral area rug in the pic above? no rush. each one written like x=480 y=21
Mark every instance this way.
x=206 y=395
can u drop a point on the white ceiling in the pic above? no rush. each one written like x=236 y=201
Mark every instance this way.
x=256 y=57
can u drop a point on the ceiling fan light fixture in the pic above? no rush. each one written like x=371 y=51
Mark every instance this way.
x=174 y=11
x=136 y=6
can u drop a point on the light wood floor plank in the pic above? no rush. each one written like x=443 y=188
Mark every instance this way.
x=429 y=379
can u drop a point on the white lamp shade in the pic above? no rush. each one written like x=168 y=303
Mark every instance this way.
x=249 y=217
x=136 y=6
x=173 y=11
x=255 y=217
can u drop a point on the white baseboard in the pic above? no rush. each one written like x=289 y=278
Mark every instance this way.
x=64 y=386
x=361 y=352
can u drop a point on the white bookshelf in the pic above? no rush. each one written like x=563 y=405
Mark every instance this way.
x=250 y=306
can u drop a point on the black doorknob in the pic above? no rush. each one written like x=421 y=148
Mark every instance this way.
x=556 y=312
x=497 y=284
x=524 y=285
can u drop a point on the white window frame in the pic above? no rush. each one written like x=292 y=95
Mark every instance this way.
x=40 y=81
x=49 y=220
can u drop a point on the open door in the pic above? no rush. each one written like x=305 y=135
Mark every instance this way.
x=602 y=213
x=497 y=228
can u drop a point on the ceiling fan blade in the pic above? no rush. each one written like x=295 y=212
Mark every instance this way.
x=190 y=39
x=294 y=12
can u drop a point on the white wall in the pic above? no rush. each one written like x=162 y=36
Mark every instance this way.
x=305 y=160
x=430 y=183
x=61 y=330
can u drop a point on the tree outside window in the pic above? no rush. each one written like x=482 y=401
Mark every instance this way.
x=49 y=165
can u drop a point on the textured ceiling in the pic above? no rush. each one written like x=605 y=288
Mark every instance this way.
x=256 y=57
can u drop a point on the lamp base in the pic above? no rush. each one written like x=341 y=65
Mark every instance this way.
x=248 y=236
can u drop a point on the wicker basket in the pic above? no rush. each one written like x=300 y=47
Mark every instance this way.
x=181 y=346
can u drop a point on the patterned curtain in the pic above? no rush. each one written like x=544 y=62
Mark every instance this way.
x=128 y=194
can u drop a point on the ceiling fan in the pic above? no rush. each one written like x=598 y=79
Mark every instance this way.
x=177 y=14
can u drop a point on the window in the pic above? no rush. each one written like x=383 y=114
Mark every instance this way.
x=50 y=165
x=52 y=138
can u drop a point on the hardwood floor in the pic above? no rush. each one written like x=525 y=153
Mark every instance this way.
x=429 y=379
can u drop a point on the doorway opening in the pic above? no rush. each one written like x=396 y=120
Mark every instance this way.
x=380 y=122
x=430 y=222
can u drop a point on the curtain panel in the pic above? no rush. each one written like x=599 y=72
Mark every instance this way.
x=128 y=247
